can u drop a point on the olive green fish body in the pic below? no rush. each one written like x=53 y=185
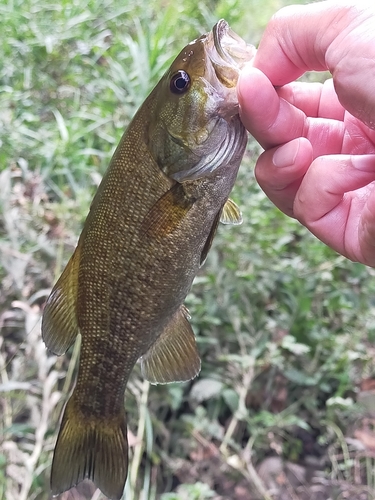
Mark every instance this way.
x=149 y=229
x=148 y=267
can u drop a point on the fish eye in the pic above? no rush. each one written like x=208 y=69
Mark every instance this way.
x=180 y=82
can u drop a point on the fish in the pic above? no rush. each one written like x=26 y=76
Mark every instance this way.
x=148 y=231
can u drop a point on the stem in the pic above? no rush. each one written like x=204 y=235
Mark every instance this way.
x=138 y=449
x=241 y=411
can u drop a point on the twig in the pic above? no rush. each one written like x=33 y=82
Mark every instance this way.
x=48 y=403
x=345 y=450
x=253 y=476
x=7 y=409
x=138 y=449
x=241 y=411
x=246 y=468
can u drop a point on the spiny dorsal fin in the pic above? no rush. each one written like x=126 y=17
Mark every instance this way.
x=174 y=356
x=59 y=323
x=231 y=214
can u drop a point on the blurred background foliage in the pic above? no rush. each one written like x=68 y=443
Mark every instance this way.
x=284 y=405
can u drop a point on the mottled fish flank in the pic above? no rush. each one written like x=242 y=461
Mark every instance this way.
x=149 y=229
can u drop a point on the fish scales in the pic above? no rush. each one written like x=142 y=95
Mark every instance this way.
x=150 y=226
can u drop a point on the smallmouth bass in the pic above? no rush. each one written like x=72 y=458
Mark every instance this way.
x=149 y=229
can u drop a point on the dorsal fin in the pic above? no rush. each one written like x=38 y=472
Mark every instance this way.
x=59 y=323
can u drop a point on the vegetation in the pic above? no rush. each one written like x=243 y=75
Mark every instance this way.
x=283 y=406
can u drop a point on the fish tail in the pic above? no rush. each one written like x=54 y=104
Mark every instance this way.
x=93 y=448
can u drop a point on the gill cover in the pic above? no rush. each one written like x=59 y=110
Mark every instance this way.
x=196 y=125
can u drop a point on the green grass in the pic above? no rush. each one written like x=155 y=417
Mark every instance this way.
x=284 y=325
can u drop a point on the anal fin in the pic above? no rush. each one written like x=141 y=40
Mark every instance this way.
x=174 y=356
x=59 y=323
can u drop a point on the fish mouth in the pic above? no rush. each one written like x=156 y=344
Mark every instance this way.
x=228 y=54
x=231 y=48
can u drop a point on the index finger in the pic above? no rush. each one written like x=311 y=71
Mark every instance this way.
x=298 y=37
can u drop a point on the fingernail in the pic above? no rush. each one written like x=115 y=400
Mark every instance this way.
x=364 y=162
x=285 y=155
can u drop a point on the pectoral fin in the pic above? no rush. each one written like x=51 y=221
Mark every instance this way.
x=166 y=214
x=174 y=356
x=59 y=323
x=231 y=214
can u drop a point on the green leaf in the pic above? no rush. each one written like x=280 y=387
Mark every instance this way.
x=289 y=343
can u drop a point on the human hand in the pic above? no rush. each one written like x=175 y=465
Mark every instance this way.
x=319 y=139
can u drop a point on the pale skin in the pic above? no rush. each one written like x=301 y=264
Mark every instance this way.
x=319 y=139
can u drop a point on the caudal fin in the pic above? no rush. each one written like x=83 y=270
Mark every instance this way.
x=96 y=449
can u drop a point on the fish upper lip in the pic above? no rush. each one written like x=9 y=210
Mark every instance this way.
x=230 y=47
x=219 y=31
